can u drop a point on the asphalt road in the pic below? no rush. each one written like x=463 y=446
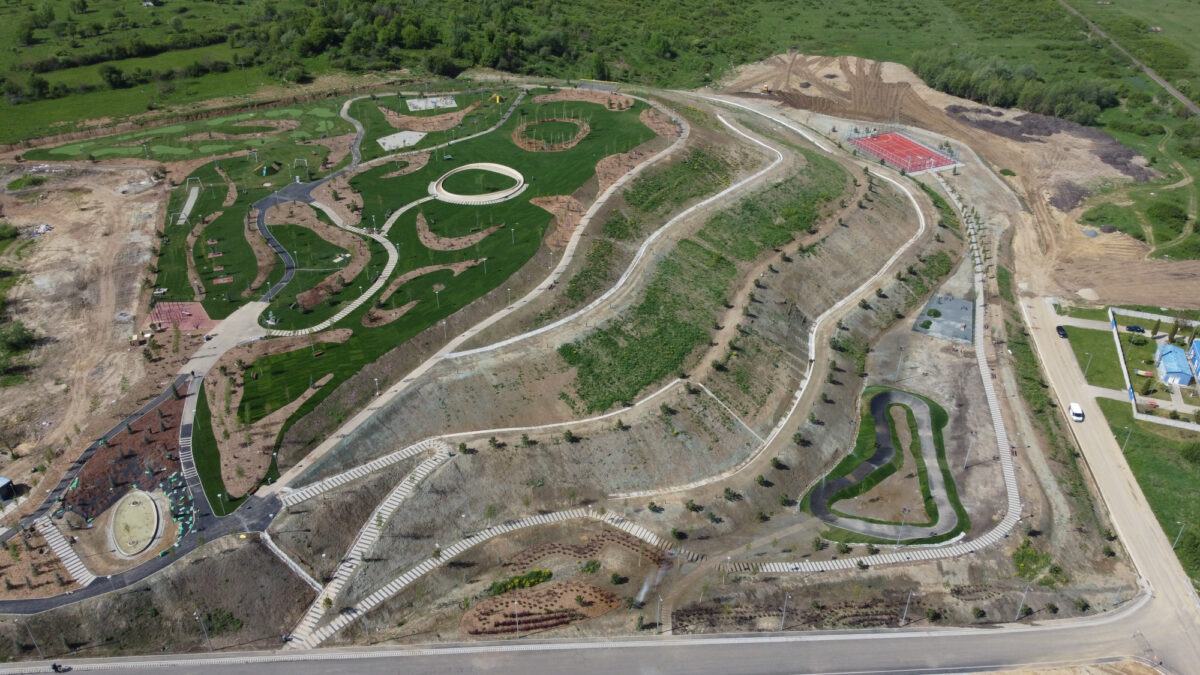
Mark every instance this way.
x=884 y=453
x=918 y=650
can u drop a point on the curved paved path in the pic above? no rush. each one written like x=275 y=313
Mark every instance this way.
x=884 y=454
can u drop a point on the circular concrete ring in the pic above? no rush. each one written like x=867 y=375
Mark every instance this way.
x=441 y=194
x=135 y=523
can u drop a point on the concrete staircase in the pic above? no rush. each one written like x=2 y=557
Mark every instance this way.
x=63 y=549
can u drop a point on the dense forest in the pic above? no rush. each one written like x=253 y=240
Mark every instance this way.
x=1029 y=54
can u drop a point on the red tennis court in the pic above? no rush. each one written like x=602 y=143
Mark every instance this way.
x=902 y=152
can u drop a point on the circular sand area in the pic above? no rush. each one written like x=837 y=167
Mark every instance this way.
x=135 y=522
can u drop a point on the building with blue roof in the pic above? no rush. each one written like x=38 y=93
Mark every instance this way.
x=1193 y=355
x=1172 y=364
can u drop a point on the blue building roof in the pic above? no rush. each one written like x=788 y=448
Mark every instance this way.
x=1172 y=359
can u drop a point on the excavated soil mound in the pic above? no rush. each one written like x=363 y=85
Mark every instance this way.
x=610 y=101
x=427 y=124
x=567 y=212
x=415 y=162
x=438 y=243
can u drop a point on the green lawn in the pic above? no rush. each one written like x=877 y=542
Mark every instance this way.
x=1098 y=348
x=284 y=376
x=315 y=262
x=376 y=125
x=1141 y=357
x=165 y=143
x=1166 y=463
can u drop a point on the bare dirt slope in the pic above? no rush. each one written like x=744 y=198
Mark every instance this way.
x=1052 y=160
x=81 y=291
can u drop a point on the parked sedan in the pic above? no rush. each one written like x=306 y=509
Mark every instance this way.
x=1062 y=332
x=1134 y=328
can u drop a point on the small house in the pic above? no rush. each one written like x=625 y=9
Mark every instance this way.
x=8 y=491
x=1172 y=365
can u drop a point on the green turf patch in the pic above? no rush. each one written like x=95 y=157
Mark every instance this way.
x=1124 y=218
x=699 y=173
x=208 y=459
x=1166 y=463
x=1097 y=348
x=477 y=182
x=1004 y=279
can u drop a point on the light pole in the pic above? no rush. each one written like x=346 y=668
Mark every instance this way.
x=438 y=298
x=377 y=386
x=903 y=514
x=35 y=642
x=660 y=628
x=783 y=620
x=1021 y=605
x=444 y=330
x=968 y=455
x=1181 y=528
x=725 y=571
x=904 y=617
x=1089 y=364
x=517 y=616
x=1128 y=433
x=509 y=290
x=196 y=613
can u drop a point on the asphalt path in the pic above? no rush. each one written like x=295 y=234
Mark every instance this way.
x=885 y=452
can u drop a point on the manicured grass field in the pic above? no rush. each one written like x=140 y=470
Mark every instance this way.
x=477 y=182
x=208 y=459
x=1105 y=368
x=376 y=125
x=314 y=261
x=285 y=375
x=165 y=143
x=551 y=131
x=1166 y=463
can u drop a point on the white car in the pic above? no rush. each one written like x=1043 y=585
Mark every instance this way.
x=1076 y=412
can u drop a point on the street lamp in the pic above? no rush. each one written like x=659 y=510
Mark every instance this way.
x=196 y=613
x=1089 y=364
x=783 y=620
x=1128 y=432
x=903 y=514
x=1181 y=528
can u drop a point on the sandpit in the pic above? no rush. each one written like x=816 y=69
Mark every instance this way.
x=135 y=523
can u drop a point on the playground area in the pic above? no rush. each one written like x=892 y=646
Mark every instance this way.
x=902 y=152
